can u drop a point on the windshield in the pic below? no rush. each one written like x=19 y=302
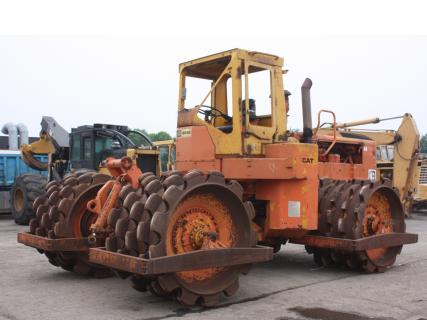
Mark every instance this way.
x=139 y=139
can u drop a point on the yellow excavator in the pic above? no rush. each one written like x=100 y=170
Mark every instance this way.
x=397 y=154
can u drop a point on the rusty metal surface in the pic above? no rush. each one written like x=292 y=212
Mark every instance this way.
x=125 y=172
x=343 y=207
x=206 y=204
x=181 y=262
x=64 y=244
x=200 y=222
x=373 y=242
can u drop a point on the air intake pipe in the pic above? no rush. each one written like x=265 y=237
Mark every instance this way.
x=11 y=130
x=23 y=133
x=306 y=111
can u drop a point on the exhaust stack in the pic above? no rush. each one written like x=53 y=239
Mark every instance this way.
x=23 y=133
x=306 y=110
x=11 y=130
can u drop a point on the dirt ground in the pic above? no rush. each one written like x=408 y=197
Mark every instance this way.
x=289 y=287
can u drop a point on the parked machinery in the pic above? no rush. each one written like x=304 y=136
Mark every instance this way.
x=81 y=151
x=240 y=179
x=19 y=183
x=420 y=197
x=84 y=148
x=397 y=153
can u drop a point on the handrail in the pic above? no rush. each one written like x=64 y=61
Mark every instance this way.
x=334 y=127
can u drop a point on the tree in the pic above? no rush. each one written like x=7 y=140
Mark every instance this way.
x=157 y=136
x=423 y=143
x=160 y=136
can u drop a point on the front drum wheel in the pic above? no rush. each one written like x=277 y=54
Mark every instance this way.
x=206 y=212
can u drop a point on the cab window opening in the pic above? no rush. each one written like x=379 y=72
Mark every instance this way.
x=212 y=96
x=257 y=88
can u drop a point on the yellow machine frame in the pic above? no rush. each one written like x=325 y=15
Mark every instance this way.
x=254 y=135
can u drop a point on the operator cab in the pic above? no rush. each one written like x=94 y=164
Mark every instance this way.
x=90 y=145
x=385 y=153
x=233 y=92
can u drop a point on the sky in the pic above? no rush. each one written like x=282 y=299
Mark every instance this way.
x=131 y=78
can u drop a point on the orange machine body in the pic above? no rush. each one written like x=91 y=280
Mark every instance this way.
x=124 y=171
x=238 y=126
x=286 y=176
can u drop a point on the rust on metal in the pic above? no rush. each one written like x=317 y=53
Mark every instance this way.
x=105 y=201
x=378 y=220
x=200 y=220
x=125 y=171
x=385 y=240
x=46 y=244
x=193 y=260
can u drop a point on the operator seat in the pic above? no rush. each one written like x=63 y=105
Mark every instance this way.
x=252 y=116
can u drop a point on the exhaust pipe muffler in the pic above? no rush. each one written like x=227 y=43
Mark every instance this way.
x=306 y=111
x=11 y=130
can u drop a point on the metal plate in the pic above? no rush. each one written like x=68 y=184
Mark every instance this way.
x=378 y=241
x=181 y=262
x=65 y=244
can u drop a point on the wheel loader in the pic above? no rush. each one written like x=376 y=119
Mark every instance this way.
x=81 y=151
x=398 y=154
x=242 y=185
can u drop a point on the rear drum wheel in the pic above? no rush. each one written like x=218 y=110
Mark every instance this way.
x=354 y=210
x=383 y=213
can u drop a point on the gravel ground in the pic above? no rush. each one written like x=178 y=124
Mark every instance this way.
x=289 y=287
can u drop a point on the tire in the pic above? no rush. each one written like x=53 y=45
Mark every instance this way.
x=78 y=172
x=347 y=210
x=26 y=188
x=142 y=227
x=57 y=215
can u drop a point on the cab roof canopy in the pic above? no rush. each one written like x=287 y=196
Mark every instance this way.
x=211 y=67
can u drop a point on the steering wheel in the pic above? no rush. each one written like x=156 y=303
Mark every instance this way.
x=212 y=112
